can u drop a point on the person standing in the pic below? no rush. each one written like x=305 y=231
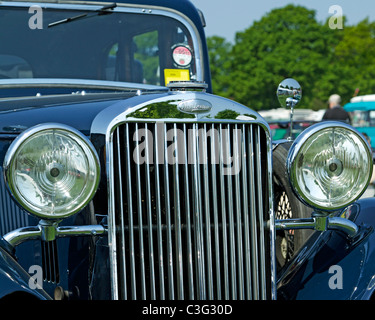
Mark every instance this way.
x=335 y=111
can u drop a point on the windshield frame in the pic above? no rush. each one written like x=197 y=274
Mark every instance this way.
x=91 y=7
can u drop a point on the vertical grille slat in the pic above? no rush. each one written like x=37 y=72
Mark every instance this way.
x=122 y=262
x=132 y=252
x=253 y=222
x=247 y=258
x=11 y=215
x=224 y=216
x=177 y=219
x=260 y=216
x=169 y=238
x=187 y=212
x=149 y=219
x=236 y=162
x=190 y=205
x=140 y=219
x=158 y=205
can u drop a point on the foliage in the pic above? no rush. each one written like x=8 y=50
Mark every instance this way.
x=290 y=42
x=219 y=55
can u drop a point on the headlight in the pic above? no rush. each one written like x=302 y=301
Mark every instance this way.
x=329 y=165
x=52 y=170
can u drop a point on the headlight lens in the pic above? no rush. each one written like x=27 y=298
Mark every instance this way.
x=52 y=171
x=329 y=165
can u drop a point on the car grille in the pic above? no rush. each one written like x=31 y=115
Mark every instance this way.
x=11 y=215
x=190 y=204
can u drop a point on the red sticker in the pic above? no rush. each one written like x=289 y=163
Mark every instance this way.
x=182 y=56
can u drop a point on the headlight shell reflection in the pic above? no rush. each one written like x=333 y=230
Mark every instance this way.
x=329 y=165
x=52 y=170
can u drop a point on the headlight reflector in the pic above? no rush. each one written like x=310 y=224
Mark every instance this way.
x=52 y=171
x=329 y=165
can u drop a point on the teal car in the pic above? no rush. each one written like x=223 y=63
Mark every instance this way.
x=362 y=112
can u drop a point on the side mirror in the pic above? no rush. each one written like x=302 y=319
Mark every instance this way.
x=289 y=93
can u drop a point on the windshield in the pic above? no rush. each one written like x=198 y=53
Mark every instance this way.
x=102 y=45
x=363 y=118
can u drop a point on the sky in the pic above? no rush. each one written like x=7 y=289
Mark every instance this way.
x=226 y=17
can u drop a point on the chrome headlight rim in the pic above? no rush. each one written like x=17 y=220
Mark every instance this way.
x=296 y=148
x=24 y=137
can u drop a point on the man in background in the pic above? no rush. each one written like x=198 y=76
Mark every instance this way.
x=335 y=111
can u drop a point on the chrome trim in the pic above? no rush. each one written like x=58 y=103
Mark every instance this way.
x=48 y=231
x=300 y=141
x=9 y=157
x=74 y=83
x=319 y=223
x=128 y=112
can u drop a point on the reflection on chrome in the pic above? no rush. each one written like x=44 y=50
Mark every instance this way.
x=330 y=166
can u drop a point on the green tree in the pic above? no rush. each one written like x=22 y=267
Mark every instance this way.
x=353 y=63
x=219 y=51
x=290 y=42
x=286 y=42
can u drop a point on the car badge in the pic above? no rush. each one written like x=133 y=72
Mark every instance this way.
x=194 y=106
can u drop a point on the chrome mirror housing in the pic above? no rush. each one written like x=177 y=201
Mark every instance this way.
x=289 y=93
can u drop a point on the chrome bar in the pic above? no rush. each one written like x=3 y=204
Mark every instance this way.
x=223 y=217
x=18 y=236
x=177 y=217
x=140 y=220
x=122 y=223
x=210 y=287
x=253 y=221
x=149 y=216
x=232 y=241
x=112 y=243
x=237 y=165
x=260 y=215
x=188 y=223
x=130 y=214
x=85 y=230
x=168 y=218
x=319 y=223
x=295 y=224
x=245 y=152
x=159 y=146
x=197 y=220
x=215 y=160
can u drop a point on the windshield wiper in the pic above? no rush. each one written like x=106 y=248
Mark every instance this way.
x=101 y=11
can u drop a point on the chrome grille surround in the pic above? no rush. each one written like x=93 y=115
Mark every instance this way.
x=183 y=205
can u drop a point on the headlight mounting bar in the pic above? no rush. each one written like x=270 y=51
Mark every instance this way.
x=49 y=230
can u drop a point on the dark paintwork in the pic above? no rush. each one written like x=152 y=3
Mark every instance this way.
x=307 y=276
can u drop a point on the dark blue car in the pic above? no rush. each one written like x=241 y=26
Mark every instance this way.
x=124 y=177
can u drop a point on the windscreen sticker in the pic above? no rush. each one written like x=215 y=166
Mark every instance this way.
x=176 y=75
x=182 y=55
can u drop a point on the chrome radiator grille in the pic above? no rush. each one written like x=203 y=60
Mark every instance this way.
x=190 y=204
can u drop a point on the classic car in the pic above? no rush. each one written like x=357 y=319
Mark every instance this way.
x=125 y=177
x=362 y=113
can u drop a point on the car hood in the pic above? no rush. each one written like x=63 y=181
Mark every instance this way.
x=76 y=110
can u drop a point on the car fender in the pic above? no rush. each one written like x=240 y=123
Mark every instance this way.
x=332 y=267
x=14 y=280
